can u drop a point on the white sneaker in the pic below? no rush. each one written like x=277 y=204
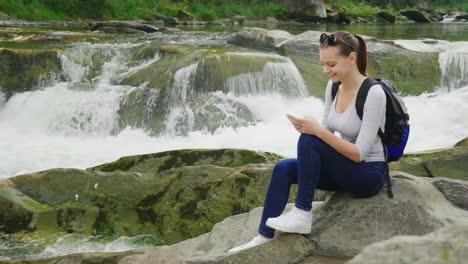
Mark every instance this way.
x=294 y=221
x=256 y=241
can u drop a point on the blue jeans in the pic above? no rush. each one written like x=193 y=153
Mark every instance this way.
x=318 y=166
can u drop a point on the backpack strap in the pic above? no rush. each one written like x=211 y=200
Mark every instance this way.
x=362 y=95
x=360 y=101
x=335 y=89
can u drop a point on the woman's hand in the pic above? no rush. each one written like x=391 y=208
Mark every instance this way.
x=306 y=125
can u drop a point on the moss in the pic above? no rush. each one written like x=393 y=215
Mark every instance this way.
x=24 y=70
x=189 y=210
x=123 y=164
x=462 y=143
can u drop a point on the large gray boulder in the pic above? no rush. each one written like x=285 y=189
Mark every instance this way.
x=343 y=226
x=446 y=245
x=309 y=10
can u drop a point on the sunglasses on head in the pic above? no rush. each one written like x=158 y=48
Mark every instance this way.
x=332 y=39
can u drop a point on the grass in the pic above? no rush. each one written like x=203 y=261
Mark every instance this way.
x=145 y=9
x=201 y=9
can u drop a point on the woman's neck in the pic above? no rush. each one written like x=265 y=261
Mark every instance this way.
x=353 y=82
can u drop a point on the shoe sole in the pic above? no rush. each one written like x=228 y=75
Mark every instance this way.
x=303 y=231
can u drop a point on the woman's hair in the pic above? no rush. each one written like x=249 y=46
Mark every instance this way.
x=347 y=43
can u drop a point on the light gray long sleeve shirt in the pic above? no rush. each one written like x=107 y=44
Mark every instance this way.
x=364 y=134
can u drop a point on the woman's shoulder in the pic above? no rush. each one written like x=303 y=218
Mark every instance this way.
x=376 y=93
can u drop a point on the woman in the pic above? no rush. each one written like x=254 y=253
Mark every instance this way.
x=354 y=162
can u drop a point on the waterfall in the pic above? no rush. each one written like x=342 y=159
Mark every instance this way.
x=276 y=77
x=454 y=67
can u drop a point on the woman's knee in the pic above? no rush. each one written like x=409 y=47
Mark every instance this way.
x=285 y=170
x=306 y=140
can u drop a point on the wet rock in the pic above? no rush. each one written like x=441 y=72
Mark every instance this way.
x=45 y=37
x=415 y=15
x=308 y=10
x=462 y=17
x=386 y=60
x=446 y=245
x=386 y=16
x=124 y=24
x=25 y=70
x=120 y=30
x=260 y=37
x=167 y=19
x=239 y=19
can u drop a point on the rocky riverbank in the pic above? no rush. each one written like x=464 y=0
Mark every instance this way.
x=179 y=196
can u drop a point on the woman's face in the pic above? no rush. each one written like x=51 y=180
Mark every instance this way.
x=336 y=66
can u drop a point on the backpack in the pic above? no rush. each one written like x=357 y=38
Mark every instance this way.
x=397 y=129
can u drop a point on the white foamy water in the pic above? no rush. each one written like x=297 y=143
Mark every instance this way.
x=32 y=142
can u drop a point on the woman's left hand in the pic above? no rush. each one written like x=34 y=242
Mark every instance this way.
x=306 y=125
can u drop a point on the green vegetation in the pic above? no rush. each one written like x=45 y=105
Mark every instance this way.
x=200 y=9
x=146 y=9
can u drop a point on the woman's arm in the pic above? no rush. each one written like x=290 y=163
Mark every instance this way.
x=374 y=109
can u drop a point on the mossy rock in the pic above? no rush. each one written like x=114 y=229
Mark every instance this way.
x=24 y=70
x=462 y=143
x=173 y=195
x=449 y=163
x=162 y=161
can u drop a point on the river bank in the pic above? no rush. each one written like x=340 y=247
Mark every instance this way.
x=229 y=13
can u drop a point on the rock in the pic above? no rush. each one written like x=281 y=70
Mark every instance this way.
x=124 y=24
x=462 y=143
x=337 y=17
x=386 y=16
x=45 y=37
x=167 y=19
x=184 y=15
x=260 y=37
x=446 y=245
x=461 y=17
x=26 y=70
x=239 y=19
x=386 y=60
x=343 y=226
x=207 y=70
x=120 y=30
x=4 y=16
x=308 y=10
x=449 y=163
x=415 y=15
x=271 y=20
x=456 y=191
x=145 y=194
x=162 y=161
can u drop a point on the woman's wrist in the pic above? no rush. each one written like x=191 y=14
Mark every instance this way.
x=321 y=132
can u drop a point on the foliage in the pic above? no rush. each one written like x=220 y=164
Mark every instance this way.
x=124 y=9
x=200 y=9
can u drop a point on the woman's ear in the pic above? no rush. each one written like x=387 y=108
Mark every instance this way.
x=353 y=57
